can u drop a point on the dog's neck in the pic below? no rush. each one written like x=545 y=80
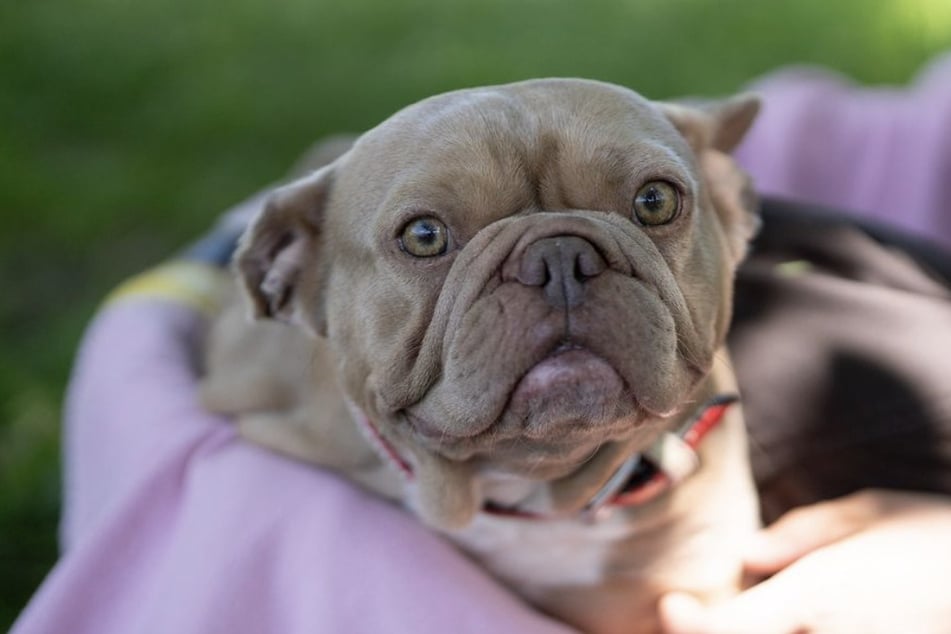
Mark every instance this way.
x=619 y=475
x=640 y=478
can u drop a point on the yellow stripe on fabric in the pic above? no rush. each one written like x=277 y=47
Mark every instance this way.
x=193 y=284
x=793 y=268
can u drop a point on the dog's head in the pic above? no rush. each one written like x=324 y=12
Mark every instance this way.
x=515 y=278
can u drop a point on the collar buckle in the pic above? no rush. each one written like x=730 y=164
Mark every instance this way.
x=599 y=507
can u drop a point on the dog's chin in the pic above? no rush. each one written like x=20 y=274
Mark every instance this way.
x=572 y=392
x=561 y=412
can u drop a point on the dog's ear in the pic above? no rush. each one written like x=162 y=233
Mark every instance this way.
x=718 y=124
x=282 y=242
x=714 y=129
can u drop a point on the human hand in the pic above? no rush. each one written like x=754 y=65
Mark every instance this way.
x=872 y=562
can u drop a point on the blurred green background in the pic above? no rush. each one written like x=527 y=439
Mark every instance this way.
x=125 y=127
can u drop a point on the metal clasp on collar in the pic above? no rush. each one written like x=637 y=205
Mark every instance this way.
x=598 y=508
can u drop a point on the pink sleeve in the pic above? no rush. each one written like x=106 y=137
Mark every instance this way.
x=884 y=153
x=172 y=524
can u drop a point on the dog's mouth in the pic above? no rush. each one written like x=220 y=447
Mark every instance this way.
x=570 y=387
x=561 y=409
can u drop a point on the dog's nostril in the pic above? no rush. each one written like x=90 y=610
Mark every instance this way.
x=589 y=263
x=534 y=271
x=561 y=266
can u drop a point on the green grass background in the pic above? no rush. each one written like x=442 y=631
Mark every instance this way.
x=126 y=126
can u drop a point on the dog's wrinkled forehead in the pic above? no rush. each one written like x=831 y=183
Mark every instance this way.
x=546 y=144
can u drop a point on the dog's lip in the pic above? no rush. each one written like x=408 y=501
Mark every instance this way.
x=565 y=356
x=567 y=365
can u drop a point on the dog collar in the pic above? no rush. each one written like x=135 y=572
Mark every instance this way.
x=670 y=460
x=641 y=478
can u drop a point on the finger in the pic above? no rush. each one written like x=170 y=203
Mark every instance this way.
x=681 y=613
x=771 y=607
x=806 y=529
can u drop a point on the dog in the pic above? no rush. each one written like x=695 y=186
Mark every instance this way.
x=516 y=298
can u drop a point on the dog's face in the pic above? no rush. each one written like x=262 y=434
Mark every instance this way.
x=515 y=278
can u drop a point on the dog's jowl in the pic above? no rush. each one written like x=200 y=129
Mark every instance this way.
x=507 y=309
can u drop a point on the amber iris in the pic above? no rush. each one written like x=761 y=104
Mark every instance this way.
x=656 y=203
x=425 y=237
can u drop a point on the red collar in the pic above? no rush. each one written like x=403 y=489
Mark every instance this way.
x=640 y=479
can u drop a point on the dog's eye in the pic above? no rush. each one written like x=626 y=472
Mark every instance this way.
x=656 y=203
x=425 y=237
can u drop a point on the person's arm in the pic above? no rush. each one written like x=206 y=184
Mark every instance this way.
x=174 y=524
x=881 y=152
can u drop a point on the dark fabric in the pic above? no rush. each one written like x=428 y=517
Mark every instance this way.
x=842 y=344
x=216 y=247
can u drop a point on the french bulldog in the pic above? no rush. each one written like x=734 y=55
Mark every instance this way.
x=507 y=311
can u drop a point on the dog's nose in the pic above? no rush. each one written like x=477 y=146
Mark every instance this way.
x=560 y=265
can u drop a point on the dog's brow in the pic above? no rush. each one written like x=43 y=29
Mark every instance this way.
x=644 y=160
